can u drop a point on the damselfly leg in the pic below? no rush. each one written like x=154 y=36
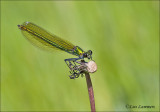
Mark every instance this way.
x=76 y=67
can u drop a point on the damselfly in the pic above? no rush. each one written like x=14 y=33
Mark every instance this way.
x=46 y=40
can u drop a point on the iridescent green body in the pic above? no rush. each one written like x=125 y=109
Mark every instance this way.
x=45 y=40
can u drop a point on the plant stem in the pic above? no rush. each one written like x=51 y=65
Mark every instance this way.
x=90 y=92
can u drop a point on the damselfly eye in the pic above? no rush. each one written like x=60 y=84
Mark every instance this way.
x=90 y=52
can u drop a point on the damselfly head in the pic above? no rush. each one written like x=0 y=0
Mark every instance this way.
x=88 y=54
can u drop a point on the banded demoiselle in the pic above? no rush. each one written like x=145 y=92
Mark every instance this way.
x=43 y=39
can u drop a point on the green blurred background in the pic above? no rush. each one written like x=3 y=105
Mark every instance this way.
x=122 y=35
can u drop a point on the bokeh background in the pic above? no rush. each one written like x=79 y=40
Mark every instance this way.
x=124 y=38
